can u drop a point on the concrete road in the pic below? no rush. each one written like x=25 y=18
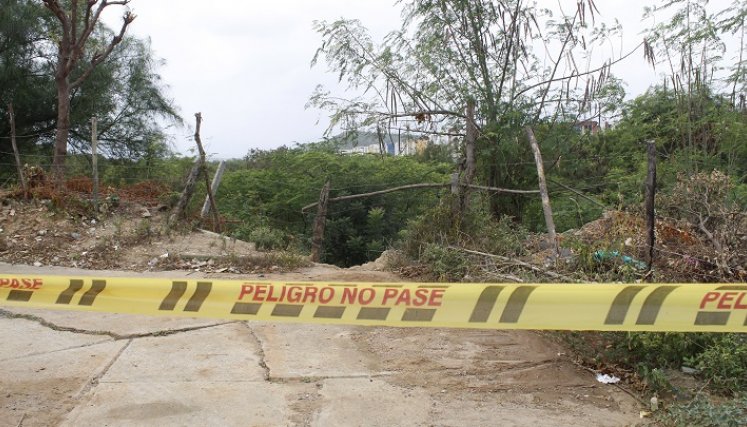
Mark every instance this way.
x=91 y=369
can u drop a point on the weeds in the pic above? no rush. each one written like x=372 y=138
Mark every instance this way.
x=703 y=411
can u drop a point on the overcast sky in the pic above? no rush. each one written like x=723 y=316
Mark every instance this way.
x=246 y=64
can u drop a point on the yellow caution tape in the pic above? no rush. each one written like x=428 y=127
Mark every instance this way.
x=602 y=307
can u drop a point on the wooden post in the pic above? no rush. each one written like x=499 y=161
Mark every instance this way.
x=189 y=189
x=650 y=198
x=95 y=163
x=456 y=202
x=21 y=178
x=320 y=222
x=203 y=164
x=546 y=208
x=470 y=140
x=213 y=188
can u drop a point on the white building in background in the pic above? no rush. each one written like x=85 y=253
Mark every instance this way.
x=363 y=142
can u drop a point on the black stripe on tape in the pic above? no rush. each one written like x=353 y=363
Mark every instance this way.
x=177 y=291
x=323 y=312
x=90 y=295
x=418 y=314
x=718 y=318
x=516 y=303
x=621 y=305
x=202 y=292
x=368 y=313
x=245 y=308
x=22 y=296
x=652 y=305
x=67 y=295
x=485 y=304
x=287 y=310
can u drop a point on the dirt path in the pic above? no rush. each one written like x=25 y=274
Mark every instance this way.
x=89 y=369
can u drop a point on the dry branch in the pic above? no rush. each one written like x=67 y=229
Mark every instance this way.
x=21 y=178
x=203 y=167
x=420 y=186
x=513 y=261
x=578 y=193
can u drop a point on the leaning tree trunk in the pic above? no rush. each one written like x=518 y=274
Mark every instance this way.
x=63 y=130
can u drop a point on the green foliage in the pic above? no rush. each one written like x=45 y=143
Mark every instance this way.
x=476 y=229
x=124 y=92
x=266 y=238
x=446 y=264
x=721 y=359
x=706 y=412
x=724 y=363
x=271 y=187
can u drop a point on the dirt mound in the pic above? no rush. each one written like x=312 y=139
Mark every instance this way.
x=681 y=252
x=129 y=237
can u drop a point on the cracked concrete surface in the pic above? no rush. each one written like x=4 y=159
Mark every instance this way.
x=92 y=369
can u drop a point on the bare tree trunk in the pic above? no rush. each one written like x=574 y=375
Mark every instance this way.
x=213 y=188
x=71 y=39
x=63 y=131
x=203 y=164
x=650 y=207
x=16 y=154
x=546 y=208
x=189 y=189
x=317 y=241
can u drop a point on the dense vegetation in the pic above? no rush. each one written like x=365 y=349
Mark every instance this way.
x=266 y=195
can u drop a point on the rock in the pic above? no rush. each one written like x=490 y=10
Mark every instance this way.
x=146 y=214
x=75 y=236
x=37 y=264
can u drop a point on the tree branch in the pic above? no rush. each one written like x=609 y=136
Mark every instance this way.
x=418 y=186
x=99 y=57
x=513 y=261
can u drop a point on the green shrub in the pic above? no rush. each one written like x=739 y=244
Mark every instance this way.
x=724 y=363
x=477 y=229
x=721 y=359
x=447 y=265
x=266 y=238
x=704 y=412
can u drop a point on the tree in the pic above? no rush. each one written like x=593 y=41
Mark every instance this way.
x=451 y=53
x=77 y=24
x=23 y=77
x=701 y=76
x=124 y=92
